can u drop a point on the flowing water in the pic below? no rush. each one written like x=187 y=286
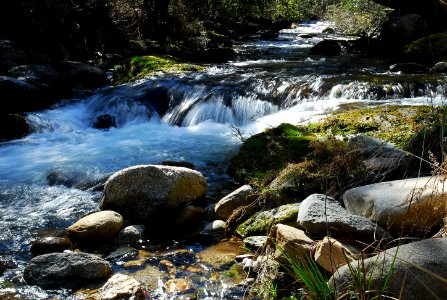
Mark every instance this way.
x=269 y=83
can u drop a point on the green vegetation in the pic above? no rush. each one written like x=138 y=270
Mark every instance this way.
x=270 y=151
x=356 y=16
x=144 y=66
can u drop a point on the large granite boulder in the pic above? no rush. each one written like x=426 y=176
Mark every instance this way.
x=401 y=206
x=320 y=214
x=145 y=194
x=66 y=270
x=45 y=73
x=417 y=271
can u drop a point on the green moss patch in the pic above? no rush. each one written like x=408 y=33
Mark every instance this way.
x=140 y=67
x=261 y=222
x=392 y=123
x=270 y=151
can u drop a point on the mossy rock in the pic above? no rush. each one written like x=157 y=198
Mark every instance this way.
x=295 y=182
x=139 y=67
x=13 y=126
x=392 y=123
x=428 y=49
x=261 y=222
x=269 y=151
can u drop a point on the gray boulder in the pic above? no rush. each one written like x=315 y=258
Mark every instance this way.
x=82 y=75
x=146 y=193
x=45 y=73
x=131 y=235
x=401 y=206
x=440 y=67
x=419 y=271
x=319 y=214
x=66 y=270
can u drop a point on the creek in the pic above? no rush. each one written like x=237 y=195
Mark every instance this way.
x=270 y=82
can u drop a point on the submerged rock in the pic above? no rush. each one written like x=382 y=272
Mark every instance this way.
x=326 y=48
x=50 y=244
x=66 y=270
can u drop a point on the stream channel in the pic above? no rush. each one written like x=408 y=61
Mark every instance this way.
x=270 y=82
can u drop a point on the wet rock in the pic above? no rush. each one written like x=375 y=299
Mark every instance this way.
x=45 y=73
x=255 y=243
x=82 y=75
x=319 y=214
x=408 y=68
x=50 y=244
x=416 y=270
x=183 y=164
x=240 y=197
x=99 y=226
x=328 y=30
x=190 y=217
x=124 y=253
x=428 y=49
x=179 y=286
x=289 y=240
x=19 y=96
x=75 y=180
x=217 y=226
x=268 y=35
x=148 y=193
x=6 y=264
x=440 y=67
x=148 y=277
x=66 y=270
x=400 y=30
x=120 y=287
x=405 y=206
x=326 y=48
x=13 y=126
x=131 y=235
x=330 y=254
x=305 y=36
x=104 y=121
x=261 y=222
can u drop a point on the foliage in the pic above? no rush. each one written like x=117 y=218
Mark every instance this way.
x=315 y=282
x=356 y=16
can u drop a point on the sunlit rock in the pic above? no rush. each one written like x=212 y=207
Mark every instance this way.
x=103 y=226
x=146 y=193
x=414 y=205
